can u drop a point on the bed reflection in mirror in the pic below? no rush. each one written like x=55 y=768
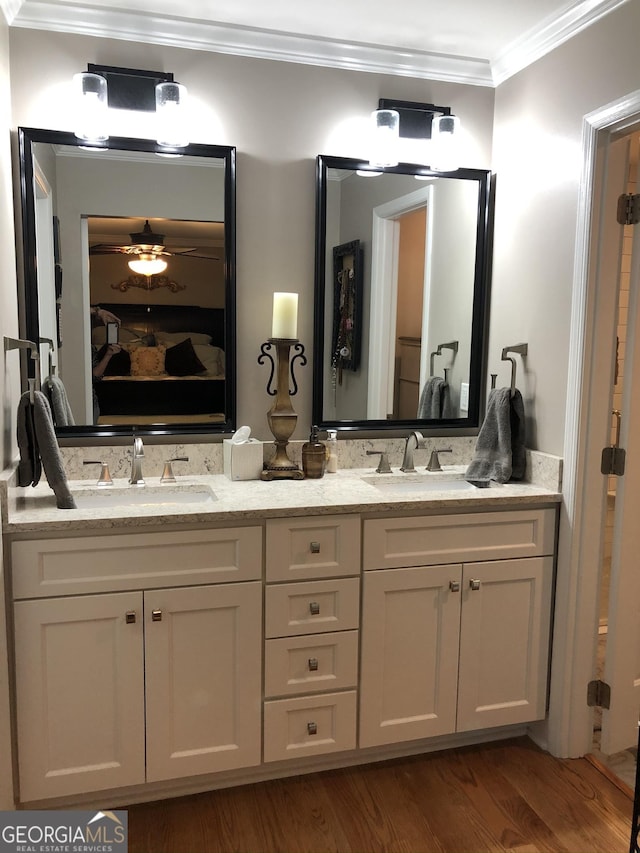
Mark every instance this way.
x=132 y=280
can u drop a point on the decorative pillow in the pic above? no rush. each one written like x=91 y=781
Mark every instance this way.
x=181 y=360
x=211 y=357
x=119 y=364
x=147 y=361
x=171 y=338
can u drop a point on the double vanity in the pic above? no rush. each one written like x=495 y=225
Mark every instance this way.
x=181 y=637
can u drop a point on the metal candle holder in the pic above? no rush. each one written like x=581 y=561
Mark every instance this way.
x=281 y=416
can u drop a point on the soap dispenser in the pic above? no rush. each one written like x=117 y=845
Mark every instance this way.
x=314 y=456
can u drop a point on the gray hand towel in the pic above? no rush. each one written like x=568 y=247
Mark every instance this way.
x=56 y=393
x=500 y=448
x=447 y=405
x=47 y=445
x=430 y=405
x=29 y=467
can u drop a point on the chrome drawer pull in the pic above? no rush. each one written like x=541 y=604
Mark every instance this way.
x=156 y=615
x=474 y=584
x=313 y=664
x=312 y=728
x=130 y=617
x=315 y=547
x=314 y=608
x=454 y=586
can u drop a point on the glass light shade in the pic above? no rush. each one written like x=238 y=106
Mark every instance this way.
x=148 y=265
x=171 y=99
x=91 y=107
x=385 y=133
x=445 y=135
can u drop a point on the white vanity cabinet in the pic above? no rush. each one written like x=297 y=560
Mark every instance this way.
x=160 y=681
x=312 y=614
x=456 y=622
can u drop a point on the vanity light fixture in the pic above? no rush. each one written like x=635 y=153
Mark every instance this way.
x=384 y=137
x=104 y=87
x=90 y=96
x=433 y=125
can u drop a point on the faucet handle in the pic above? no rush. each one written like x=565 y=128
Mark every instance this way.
x=105 y=477
x=167 y=474
x=434 y=460
x=383 y=465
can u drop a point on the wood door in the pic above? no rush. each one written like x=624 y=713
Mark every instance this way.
x=504 y=642
x=409 y=663
x=80 y=694
x=203 y=679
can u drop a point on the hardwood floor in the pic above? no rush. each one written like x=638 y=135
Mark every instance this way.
x=507 y=795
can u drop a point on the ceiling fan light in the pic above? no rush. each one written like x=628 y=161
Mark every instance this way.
x=148 y=265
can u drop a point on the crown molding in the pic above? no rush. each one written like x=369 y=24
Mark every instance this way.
x=10 y=9
x=251 y=42
x=550 y=34
x=259 y=43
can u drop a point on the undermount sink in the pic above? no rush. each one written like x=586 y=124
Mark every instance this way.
x=416 y=483
x=143 y=496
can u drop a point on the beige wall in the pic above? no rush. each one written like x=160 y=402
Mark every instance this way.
x=279 y=116
x=537 y=158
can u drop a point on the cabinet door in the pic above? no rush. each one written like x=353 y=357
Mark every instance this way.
x=203 y=679
x=409 y=665
x=80 y=694
x=504 y=642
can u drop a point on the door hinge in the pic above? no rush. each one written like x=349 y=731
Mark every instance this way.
x=613 y=458
x=628 y=209
x=598 y=694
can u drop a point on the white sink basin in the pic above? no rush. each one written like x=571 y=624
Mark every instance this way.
x=411 y=483
x=143 y=496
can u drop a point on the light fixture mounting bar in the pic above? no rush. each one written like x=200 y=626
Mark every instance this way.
x=415 y=117
x=129 y=88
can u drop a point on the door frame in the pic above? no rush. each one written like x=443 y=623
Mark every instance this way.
x=587 y=430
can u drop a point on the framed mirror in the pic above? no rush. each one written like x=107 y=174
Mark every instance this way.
x=414 y=265
x=132 y=346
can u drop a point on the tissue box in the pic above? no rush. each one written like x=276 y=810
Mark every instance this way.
x=242 y=461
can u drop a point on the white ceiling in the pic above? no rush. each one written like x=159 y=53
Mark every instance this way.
x=482 y=42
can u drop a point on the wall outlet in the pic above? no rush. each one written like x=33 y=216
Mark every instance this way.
x=464 y=396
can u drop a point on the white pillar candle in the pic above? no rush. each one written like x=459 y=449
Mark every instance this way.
x=285 y=315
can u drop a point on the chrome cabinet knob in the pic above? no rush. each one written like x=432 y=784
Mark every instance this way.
x=156 y=615
x=314 y=608
x=315 y=547
x=312 y=728
x=130 y=617
x=474 y=584
x=454 y=586
x=313 y=664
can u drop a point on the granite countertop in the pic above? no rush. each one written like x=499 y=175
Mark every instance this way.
x=33 y=510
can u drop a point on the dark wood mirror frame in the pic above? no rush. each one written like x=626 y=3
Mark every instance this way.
x=482 y=276
x=29 y=285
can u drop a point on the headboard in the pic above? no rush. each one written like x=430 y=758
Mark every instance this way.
x=147 y=319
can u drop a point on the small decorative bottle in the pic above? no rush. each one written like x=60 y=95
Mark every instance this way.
x=332 y=451
x=314 y=455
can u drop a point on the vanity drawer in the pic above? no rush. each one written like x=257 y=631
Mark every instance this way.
x=439 y=539
x=305 y=548
x=48 y=567
x=309 y=608
x=309 y=725
x=311 y=664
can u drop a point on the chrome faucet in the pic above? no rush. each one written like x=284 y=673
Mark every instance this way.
x=434 y=461
x=415 y=440
x=137 y=455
